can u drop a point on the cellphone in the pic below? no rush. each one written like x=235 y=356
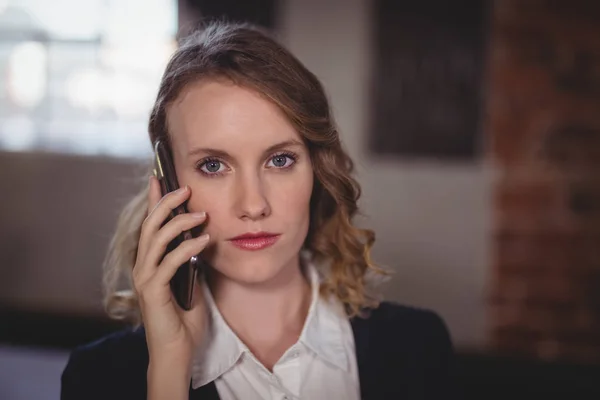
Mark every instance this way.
x=182 y=283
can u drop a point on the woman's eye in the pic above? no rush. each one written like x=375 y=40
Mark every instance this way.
x=211 y=167
x=281 y=161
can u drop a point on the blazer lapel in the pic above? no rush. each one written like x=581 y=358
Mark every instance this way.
x=360 y=328
x=206 y=392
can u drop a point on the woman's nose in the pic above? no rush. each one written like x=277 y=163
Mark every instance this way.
x=252 y=202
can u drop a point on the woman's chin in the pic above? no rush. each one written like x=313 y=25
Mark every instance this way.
x=247 y=273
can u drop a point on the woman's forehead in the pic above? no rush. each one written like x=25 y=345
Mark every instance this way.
x=221 y=114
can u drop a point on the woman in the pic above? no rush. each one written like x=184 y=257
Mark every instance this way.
x=283 y=311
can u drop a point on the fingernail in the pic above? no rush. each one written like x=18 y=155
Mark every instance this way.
x=203 y=238
x=199 y=215
x=181 y=190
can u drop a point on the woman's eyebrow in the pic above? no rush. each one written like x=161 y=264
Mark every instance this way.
x=209 y=152
x=282 y=145
x=225 y=155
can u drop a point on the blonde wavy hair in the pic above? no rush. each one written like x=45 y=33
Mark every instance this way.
x=249 y=57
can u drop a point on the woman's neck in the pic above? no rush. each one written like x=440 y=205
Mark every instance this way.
x=268 y=317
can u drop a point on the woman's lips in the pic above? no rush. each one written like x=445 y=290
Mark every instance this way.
x=254 y=242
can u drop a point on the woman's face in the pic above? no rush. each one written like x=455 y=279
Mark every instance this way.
x=249 y=170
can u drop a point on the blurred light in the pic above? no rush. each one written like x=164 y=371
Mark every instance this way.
x=83 y=20
x=123 y=93
x=86 y=89
x=150 y=58
x=27 y=74
x=158 y=20
x=128 y=97
x=18 y=133
x=90 y=88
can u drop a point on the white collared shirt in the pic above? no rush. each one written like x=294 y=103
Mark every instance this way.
x=320 y=365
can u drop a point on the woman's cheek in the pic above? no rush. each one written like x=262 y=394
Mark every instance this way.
x=298 y=190
x=212 y=204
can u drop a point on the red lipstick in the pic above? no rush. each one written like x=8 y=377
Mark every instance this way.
x=254 y=240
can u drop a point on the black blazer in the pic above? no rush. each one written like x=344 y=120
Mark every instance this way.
x=402 y=353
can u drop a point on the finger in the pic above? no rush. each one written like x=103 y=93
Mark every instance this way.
x=172 y=261
x=154 y=195
x=159 y=242
x=160 y=212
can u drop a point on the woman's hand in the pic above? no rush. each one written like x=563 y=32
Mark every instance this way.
x=172 y=333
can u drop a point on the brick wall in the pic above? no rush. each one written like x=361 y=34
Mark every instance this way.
x=543 y=114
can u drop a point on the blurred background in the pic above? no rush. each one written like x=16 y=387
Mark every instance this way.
x=475 y=127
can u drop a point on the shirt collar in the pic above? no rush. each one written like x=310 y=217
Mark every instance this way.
x=323 y=333
x=220 y=349
x=326 y=325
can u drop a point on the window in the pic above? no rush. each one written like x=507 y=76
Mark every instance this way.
x=81 y=76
